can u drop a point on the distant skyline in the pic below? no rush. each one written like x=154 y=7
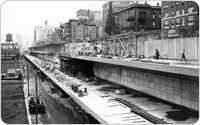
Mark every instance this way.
x=20 y=17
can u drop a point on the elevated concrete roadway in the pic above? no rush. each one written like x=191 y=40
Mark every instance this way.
x=189 y=71
x=94 y=103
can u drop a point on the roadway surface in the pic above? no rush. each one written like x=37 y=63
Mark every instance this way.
x=112 y=112
x=58 y=110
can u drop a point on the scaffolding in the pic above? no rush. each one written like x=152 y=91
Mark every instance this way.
x=121 y=45
x=126 y=44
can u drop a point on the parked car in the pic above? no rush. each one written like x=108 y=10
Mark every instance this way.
x=33 y=102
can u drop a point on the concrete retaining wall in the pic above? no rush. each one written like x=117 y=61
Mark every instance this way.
x=179 y=89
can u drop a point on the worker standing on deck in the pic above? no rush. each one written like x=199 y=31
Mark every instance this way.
x=183 y=56
x=157 y=54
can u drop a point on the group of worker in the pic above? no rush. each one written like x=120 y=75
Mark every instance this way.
x=183 y=57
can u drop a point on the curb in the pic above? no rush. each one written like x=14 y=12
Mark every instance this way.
x=28 y=114
x=26 y=104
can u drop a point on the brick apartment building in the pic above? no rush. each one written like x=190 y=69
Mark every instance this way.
x=180 y=19
x=64 y=27
x=79 y=31
x=116 y=5
x=89 y=15
x=139 y=17
x=93 y=17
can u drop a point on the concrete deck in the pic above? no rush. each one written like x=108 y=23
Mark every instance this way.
x=168 y=67
x=104 y=110
x=101 y=104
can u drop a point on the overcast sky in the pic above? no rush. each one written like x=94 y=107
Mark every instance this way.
x=20 y=17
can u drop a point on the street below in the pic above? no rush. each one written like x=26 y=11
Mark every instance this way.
x=58 y=110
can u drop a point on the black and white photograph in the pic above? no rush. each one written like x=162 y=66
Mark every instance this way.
x=99 y=62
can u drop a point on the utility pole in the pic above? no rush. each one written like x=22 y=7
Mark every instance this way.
x=27 y=78
x=136 y=45
x=36 y=96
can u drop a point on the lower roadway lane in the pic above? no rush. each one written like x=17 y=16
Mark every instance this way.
x=58 y=110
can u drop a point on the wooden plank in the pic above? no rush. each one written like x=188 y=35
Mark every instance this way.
x=171 y=48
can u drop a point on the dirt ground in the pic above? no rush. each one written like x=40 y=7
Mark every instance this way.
x=13 y=110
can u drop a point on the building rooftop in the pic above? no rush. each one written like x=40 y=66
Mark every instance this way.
x=135 y=5
x=10 y=47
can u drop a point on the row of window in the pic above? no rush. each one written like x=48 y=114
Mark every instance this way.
x=88 y=33
x=177 y=5
x=154 y=16
x=122 y=18
x=179 y=22
x=125 y=23
x=80 y=30
x=84 y=28
x=141 y=15
x=140 y=23
x=178 y=13
x=9 y=56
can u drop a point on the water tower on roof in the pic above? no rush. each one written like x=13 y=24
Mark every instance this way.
x=9 y=38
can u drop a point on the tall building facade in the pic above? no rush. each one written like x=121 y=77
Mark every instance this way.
x=56 y=36
x=96 y=19
x=138 y=17
x=83 y=14
x=80 y=31
x=64 y=27
x=41 y=33
x=116 y=5
x=89 y=15
x=86 y=32
x=92 y=17
x=180 y=19
x=18 y=39
x=72 y=29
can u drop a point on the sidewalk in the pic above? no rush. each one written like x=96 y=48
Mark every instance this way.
x=31 y=117
x=26 y=97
